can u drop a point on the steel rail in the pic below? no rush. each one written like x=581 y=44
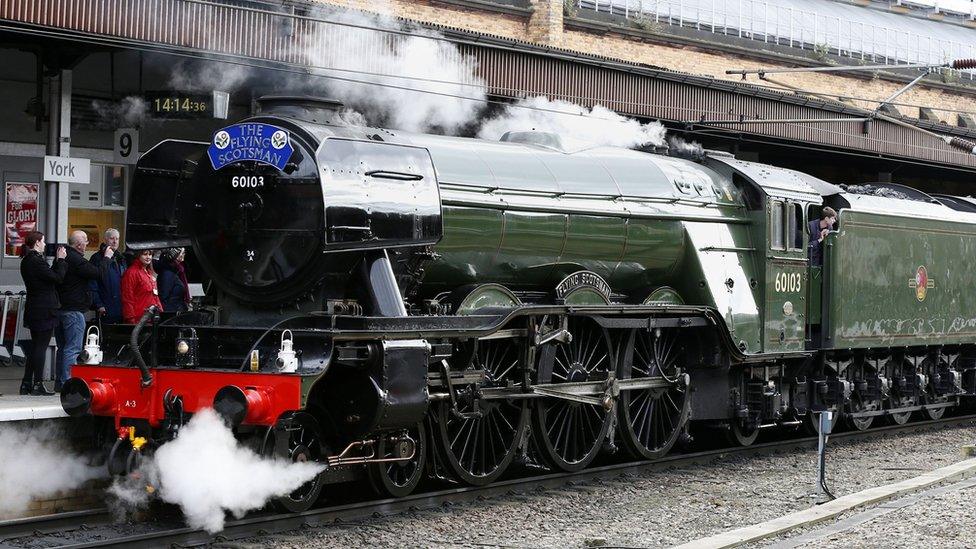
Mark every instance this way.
x=57 y=522
x=263 y=524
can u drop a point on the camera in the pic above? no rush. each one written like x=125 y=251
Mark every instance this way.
x=51 y=248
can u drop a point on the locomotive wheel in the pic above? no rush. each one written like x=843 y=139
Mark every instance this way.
x=569 y=434
x=304 y=444
x=650 y=420
x=399 y=478
x=479 y=449
x=738 y=434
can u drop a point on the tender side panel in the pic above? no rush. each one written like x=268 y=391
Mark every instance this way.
x=898 y=281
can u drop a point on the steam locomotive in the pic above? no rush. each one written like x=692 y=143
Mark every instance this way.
x=396 y=305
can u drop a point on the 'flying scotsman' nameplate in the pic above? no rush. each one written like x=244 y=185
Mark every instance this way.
x=250 y=141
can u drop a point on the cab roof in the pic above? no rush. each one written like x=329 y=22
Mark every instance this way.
x=772 y=180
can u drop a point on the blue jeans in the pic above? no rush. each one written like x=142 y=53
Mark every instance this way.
x=70 y=335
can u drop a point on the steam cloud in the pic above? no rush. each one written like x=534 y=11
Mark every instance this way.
x=207 y=473
x=597 y=126
x=409 y=78
x=412 y=82
x=35 y=465
x=130 y=111
x=208 y=76
x=685 y=148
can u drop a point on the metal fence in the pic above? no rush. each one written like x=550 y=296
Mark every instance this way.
x=822 y=33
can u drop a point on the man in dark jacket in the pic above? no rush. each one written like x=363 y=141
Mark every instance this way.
x=75 y=295
x=818 y=229
x=107 y=288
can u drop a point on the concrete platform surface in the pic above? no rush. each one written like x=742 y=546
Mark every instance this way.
x=14 y=407
x=752 y=534
x=21 y=408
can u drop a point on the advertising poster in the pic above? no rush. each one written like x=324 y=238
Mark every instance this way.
x=21 y=215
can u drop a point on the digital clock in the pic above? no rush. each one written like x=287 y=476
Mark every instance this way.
x=177 y=104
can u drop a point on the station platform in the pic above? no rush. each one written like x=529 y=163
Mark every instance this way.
x=15 y=407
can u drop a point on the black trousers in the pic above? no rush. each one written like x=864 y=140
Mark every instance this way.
x=34 y=372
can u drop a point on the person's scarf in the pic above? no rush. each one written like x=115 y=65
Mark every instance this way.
x=181 y=272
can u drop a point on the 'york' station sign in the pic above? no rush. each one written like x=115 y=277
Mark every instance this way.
x=67 y=170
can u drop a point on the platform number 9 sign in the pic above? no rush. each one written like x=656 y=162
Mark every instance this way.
x=126 y=145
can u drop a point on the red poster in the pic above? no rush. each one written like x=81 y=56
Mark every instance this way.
x=21 y=215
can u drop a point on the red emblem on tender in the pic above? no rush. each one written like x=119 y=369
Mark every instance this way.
x=921 y=283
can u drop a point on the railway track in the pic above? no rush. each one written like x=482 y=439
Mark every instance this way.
x=268 y=523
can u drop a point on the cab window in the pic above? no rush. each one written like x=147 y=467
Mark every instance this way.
x=776 y=226
x=794 y=226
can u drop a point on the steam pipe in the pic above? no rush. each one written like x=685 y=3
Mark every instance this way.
x=134 y=345
x=384 y=293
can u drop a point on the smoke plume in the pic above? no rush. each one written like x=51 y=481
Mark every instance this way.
x=207 y=473
x=596 y=126
x=131 y=111
x=414 y=82
x=680 y=147
x=35 y=465
x=208 y=76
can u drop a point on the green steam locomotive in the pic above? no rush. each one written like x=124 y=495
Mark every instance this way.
x=397 y=305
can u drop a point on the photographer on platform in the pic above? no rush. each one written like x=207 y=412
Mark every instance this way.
x=76 y=299
x=41 y=309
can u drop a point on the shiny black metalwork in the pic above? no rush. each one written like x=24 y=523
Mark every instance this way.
x=570 y=434
x=652 y=419
x=479 y=440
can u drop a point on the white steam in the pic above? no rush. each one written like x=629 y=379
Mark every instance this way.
x=130 y=111
x=685 y=148
x=416 y=82
x=35 y=465
x=402 y=76
x=208 y=76
x=207 y=473
x=597 y=126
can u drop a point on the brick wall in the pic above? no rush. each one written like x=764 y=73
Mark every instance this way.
x=89 y=496
x=547 y=26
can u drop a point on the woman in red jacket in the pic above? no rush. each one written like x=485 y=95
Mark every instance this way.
x=139 y=288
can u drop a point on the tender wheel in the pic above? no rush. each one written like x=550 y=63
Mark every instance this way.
x=569 y=434
x=896 y=370
x=900 y=418
x=741 y=434
x=811 y=423
x=935 y=413
x=399 y=478
x=479 y=449
x=650 y=420
x=303 y=443
x=858 y=423
x=931 y=396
